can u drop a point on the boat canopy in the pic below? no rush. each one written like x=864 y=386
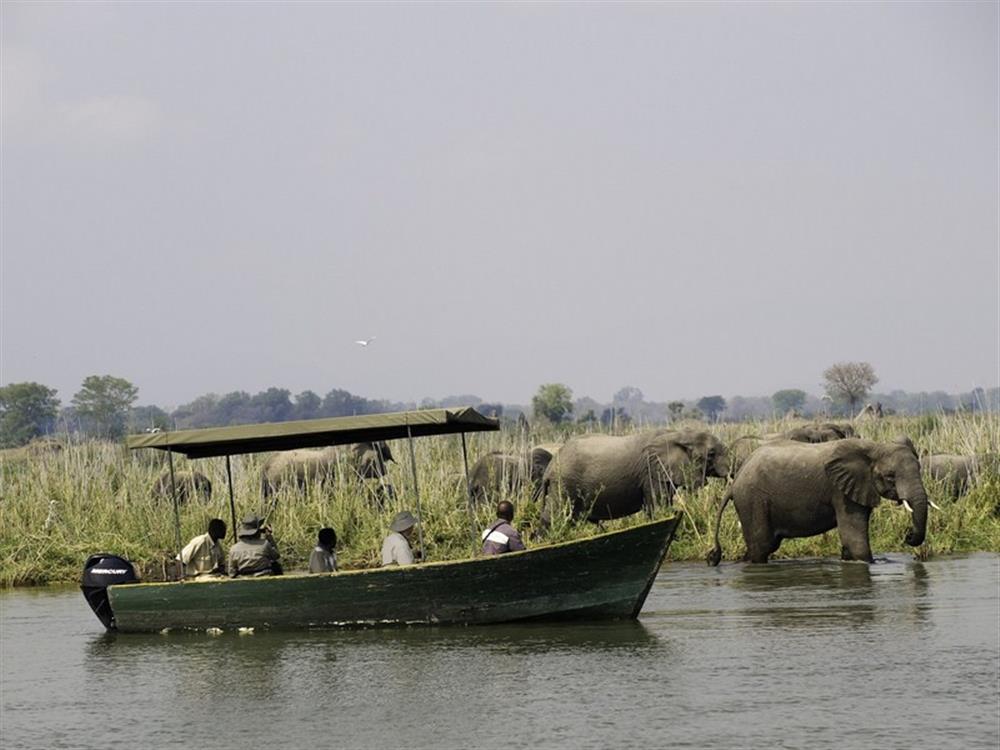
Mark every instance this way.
x=315 y=433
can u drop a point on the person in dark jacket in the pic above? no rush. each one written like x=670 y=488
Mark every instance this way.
x=502 y=537
x=255 y=554
x=324 y=559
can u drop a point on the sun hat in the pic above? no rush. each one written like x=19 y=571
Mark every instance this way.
x=403 y=521
x=250 y=526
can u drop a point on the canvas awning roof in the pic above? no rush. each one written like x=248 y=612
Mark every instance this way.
x=315 y=433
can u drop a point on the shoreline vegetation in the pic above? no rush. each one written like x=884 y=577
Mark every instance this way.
x=61 y=502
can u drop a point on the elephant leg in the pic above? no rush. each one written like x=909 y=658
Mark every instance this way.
x=756 y=532
x=852 y=525
x=775 y=543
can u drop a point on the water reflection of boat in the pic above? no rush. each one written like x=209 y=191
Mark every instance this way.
x=604 y=577
x=505 y=638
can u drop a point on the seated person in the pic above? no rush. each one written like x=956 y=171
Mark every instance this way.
x=203 y=555
x=396 y=549
x=255 y=554
x=324 y=559
x=502 y=537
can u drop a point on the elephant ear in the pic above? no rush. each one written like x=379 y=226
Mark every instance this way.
x=850 y=470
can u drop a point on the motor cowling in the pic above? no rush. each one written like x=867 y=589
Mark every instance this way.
x=100 y=571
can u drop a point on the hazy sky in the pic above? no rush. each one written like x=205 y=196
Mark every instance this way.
x=688 y=198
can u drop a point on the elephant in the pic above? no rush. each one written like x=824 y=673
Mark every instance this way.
x=742 y=448
x=190 y=485
x=819 y=433
x=499 y=473
x=305 y=465
x=787 y=490
x=607 y=476
x=957 y=472
x=44 y=447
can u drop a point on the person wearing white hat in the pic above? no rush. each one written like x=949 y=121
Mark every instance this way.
x=396 y=549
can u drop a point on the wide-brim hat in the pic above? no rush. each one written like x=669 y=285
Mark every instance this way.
x=250 y=526
x=403 y=521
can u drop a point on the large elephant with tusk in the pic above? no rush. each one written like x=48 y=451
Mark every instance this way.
x=788 y=490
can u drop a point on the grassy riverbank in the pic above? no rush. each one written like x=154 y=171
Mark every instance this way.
x=58 y=507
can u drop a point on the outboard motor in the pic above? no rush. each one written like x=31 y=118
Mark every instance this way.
x=99 y=572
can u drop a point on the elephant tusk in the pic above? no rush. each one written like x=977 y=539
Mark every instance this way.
x=908 y=507
x=934 y=505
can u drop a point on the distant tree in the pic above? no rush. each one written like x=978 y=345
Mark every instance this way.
x=628 y=397
x=307 y=405
x=740 y=408
x=712 y=406
x=272 y=405
x=102 y=404
x=587 y=418
x=198 y=413
x=615 y=417
x=147 y=418
x=693 y=413
x=235 y=407
x=849 y=382
x=553 y=402
x=676 y=408
x=974 y=400
x=27 y=410
x=341 y=403
x=787 y=400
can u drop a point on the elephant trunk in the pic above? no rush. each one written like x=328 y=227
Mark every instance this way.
x=918 y=502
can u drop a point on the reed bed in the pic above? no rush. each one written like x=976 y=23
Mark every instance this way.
x=59 y=506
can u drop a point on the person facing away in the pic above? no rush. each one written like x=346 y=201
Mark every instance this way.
x=203 y=555
x=502 y=537
x=255 y=554
x=324 y=559
x=396 y=549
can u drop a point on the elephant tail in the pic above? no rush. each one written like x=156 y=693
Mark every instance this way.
x=714 y=557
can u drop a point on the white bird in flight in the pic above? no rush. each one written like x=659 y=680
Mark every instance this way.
x=364 y=342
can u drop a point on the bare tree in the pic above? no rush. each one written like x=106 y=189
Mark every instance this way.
x=850 y=382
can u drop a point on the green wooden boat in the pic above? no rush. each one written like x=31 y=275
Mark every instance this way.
x=604 y=577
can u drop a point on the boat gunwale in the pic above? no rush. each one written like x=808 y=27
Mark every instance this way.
x=389 y=569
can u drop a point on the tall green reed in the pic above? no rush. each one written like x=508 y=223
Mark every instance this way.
x=56 y=508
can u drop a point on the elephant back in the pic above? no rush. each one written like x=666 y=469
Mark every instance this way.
x=299 y=467
x=190 y=484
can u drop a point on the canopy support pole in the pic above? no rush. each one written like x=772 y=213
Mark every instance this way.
x=232 y=502
x=416 y=491
x=468 y=497
x=177 y=514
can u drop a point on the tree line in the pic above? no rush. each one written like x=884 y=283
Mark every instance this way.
x=105 y=406
x=846 y=388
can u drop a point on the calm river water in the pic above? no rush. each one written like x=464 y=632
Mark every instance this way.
x=810 y=654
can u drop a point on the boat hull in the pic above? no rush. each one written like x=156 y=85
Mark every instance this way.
x=605 y=577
